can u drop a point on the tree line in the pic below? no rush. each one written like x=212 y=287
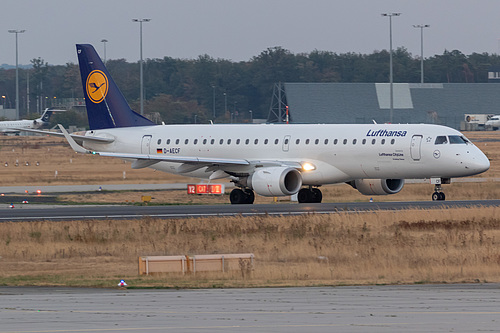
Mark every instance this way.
x=193 y=90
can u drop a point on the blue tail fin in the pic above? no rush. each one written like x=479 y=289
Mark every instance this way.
x=106 y=106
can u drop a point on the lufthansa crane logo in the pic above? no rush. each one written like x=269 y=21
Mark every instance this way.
x=97 y=86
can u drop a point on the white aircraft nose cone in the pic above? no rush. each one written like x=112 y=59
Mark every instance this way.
x=480 y=163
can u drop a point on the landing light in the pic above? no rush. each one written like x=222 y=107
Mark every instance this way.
x=306 y=166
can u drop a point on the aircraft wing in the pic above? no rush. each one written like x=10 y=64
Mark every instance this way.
x=178 y=159
x=219 y=166
x=74 y=136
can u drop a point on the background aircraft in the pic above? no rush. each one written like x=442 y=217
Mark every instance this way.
x=14 y=126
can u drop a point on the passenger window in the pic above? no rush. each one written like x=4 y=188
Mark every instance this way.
x=221 y=141
x=354 y=141
x=256 y=141
x=168 y=141
x=335 y=141
x=297 y=141
x=345 y=141
x=383 y=141
x=228 y=141
x=237 y=141
x=286 y=141
x=276 y=141
x=316 y=141
x=186 y=141
x=266 y=141
x=373 y=141
x=441 y=140
x=392 y=141
x=364 y=141
x=212 y=141
x=326 y=141
x=307 y=141
x=177 y=141
x=159 y=141
x=204 y=141
x=195 y=141
x=247 y=141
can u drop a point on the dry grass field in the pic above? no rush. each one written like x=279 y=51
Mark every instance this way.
x=452 y=245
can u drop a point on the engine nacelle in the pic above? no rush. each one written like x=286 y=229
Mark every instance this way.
x=275 y=181
x=378 y=186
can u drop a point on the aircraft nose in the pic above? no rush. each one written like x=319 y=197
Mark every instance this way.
x=480 y=162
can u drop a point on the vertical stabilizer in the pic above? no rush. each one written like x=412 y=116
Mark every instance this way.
x=106 y=106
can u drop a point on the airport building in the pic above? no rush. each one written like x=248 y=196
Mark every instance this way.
x=362 y=103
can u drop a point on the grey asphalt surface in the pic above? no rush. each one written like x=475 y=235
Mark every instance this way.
x=413 y=308
x=27 y=212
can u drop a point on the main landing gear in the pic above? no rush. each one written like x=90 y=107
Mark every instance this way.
x=310 y=195
x=239 y=196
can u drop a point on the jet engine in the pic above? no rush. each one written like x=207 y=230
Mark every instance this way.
x=378 y=186
x=275 y=181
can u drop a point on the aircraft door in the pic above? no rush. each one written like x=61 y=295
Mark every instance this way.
x=416 y=142
x=145 y=144
x=286 y=142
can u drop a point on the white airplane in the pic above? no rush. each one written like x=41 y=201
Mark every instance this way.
x=493 y=122
x=272 y=160
x=14 y=126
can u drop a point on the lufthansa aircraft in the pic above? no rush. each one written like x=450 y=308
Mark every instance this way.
x=493 y=122
x=14 y=126
x=272 y=160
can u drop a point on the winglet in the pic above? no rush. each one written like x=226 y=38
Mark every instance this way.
x=76 y=147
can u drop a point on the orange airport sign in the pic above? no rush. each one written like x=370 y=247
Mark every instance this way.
x=205 y=189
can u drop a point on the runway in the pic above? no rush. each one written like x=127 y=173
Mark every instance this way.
x=412 y=308
x=28 y=212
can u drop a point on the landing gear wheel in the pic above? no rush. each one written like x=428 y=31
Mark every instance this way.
x=238 y=196
x=438 y=196
x=306 y=195
x=250 y=197
x=317 y=195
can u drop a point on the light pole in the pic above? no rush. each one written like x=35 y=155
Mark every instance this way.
x=390 y=15
x=104 y=41
x=140 y=64
x=17 y=71
x=251 y=116
x=225 y=104
x=421 y=26
x=213 y=87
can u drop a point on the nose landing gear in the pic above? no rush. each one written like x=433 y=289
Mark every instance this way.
x=438 y=195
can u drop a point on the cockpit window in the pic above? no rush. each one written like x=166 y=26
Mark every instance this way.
x=457 y=139
x=441 y=140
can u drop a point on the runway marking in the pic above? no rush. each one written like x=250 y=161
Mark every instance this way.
x=140 y=329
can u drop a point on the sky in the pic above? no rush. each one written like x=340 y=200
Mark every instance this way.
x=238 y=30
